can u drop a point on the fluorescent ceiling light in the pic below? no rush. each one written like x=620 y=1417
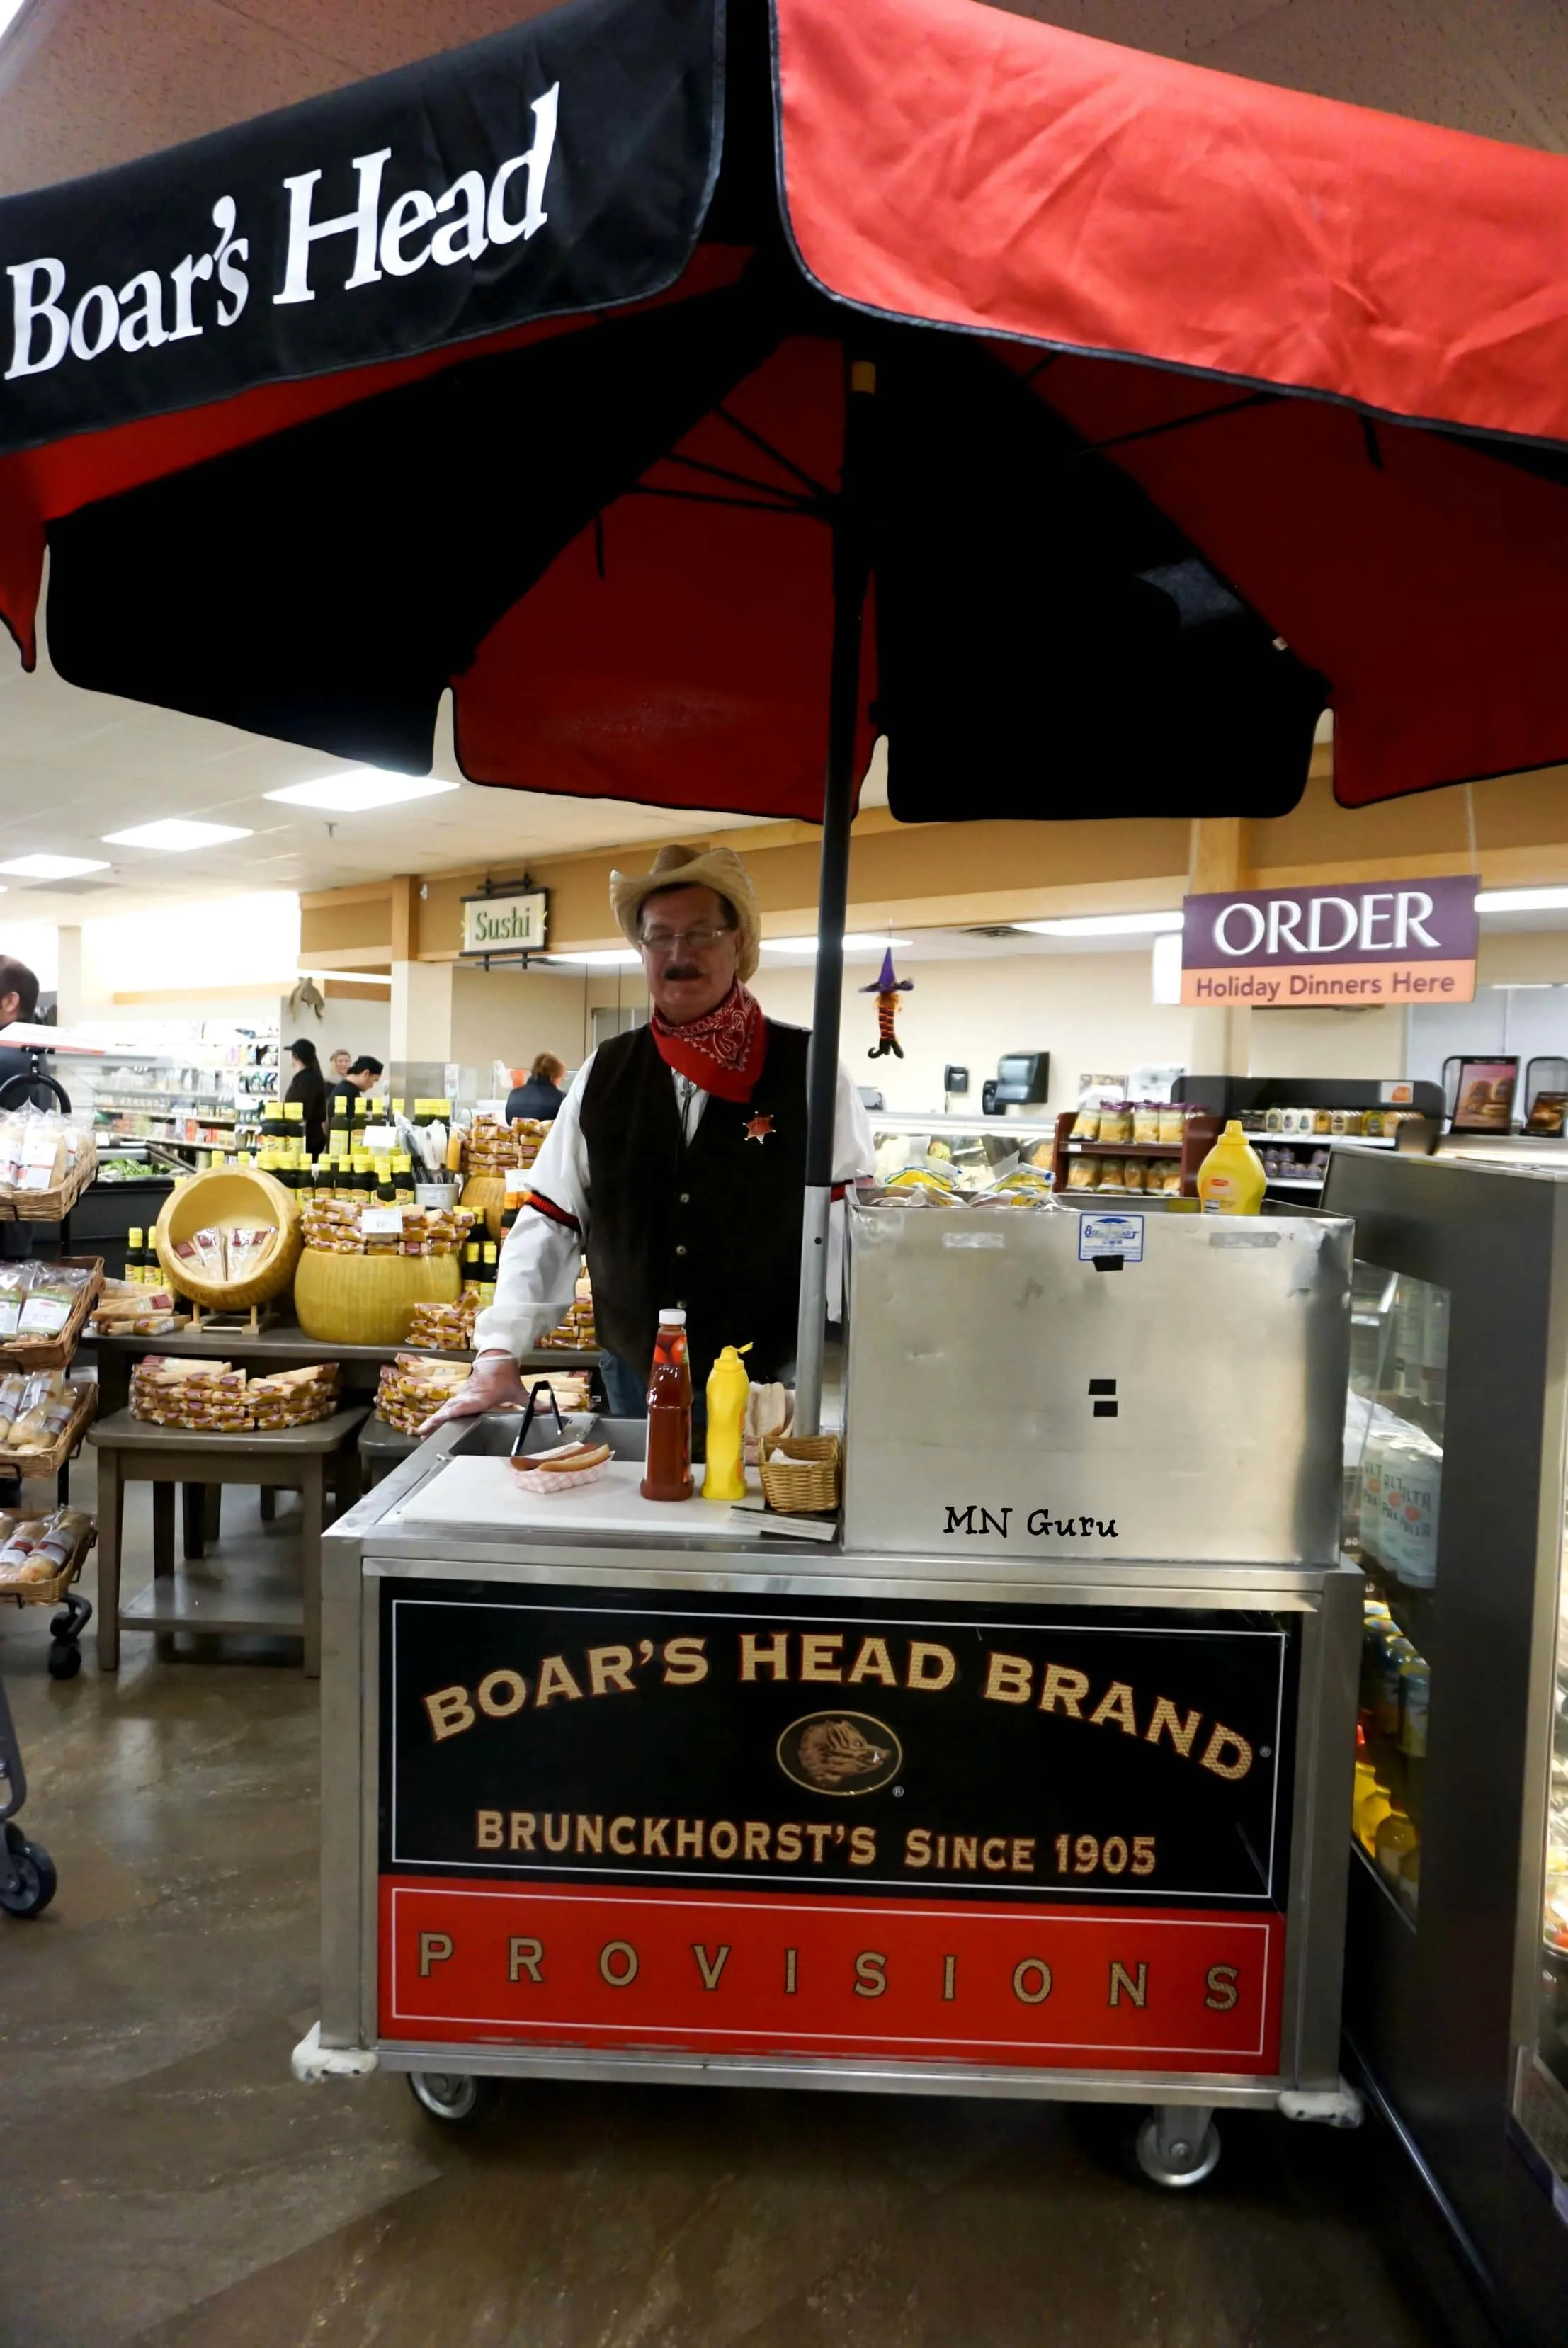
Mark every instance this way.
x=359 y=977
x=1103 y=926
x=1522 y=901
x=54 y=868
x=361 y=788
x=603 y=957
x=855 y=942
x=175 y=832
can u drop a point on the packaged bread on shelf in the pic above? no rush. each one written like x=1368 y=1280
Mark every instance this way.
x=46 y=1408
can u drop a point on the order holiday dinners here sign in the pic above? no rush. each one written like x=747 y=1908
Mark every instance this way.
x=1350 y=943
x=733 y=1825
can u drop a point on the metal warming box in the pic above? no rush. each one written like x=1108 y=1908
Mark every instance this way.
x=1096 y=1384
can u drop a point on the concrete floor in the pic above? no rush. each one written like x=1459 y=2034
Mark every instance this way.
x=164 y=2182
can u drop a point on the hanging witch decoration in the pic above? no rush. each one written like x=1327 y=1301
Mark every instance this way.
x=887 y=991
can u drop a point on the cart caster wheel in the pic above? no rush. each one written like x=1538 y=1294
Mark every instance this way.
x=65 y=1660
x=456 y=2098
x=1173 y=2158
x=28 y=1881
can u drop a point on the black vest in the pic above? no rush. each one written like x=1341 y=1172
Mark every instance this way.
x=712 y=1225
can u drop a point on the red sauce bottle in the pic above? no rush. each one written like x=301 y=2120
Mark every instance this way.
x=668 y=1473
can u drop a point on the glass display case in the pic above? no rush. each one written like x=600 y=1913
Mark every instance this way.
x=1541 y=2086
x=1456 y=1458
x=977 y=1151
x=192 y=1097
x=1394 y=1471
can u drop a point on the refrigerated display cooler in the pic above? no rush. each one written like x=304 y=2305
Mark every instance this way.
x=1457 y=1963
x=1032 y=1779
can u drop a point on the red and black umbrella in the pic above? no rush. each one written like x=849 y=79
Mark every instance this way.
x=595 y=371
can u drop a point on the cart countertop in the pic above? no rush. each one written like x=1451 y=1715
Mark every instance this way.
x=426 y=1521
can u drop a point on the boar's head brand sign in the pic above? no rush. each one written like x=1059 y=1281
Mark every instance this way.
x=455 y=198
x=841 y=1752
x=1351 y=945
x=630 y=1818
x=531 y=1736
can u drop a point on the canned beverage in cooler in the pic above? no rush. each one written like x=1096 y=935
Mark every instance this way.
x=1396 y=1651
x=1412 y=1479
x=1415 y=1700
x=1372 y=1470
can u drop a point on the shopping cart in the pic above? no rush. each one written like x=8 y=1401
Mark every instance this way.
x=27 y=1879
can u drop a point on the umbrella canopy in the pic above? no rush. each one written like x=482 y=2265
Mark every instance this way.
x=522 y=372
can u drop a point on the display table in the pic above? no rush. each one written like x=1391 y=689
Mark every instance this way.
x=282 y=1345
x=305 y=1459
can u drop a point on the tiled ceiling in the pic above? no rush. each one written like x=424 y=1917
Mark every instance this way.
x=75 y=764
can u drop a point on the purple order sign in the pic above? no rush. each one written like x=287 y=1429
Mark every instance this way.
x=1353 y=941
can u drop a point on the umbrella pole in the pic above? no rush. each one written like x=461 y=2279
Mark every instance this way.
x=851 y=571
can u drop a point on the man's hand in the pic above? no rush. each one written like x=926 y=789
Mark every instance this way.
x=494 y=1384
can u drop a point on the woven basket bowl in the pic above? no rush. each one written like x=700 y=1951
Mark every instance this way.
x=369 y=1300
x=486 y=1194
x=800 y=1474
x=226 y=1196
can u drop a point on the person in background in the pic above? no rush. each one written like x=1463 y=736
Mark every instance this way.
x=18 y=1001
x=364 y=1073
x=678 y=1160
x=542 y=1095
x=308 y=1086
x=338 y=1064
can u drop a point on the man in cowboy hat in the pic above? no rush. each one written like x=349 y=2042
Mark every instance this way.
x=677 y=1161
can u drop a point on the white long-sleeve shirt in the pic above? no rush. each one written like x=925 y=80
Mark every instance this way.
x=537 y=1276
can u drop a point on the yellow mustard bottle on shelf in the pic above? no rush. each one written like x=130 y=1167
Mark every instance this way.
x=728 y=1387
x=1230 y=1180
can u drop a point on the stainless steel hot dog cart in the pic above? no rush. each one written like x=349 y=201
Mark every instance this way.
x=1032 y=1780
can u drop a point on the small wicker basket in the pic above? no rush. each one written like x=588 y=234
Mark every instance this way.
x=800 y=1474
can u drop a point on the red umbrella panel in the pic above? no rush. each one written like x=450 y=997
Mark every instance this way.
x=1200 y=404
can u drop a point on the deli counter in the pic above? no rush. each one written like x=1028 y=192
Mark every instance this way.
x=1456 y=1959
x=1033 y=1779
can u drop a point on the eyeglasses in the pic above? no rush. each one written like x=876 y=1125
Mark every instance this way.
x=699 y=941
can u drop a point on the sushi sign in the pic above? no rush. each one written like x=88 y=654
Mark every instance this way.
x=506 y=925
x=1350 y=945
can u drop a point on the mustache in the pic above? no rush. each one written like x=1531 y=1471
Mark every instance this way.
x=678 y=970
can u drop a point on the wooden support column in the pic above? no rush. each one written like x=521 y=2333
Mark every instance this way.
x=1220 y=858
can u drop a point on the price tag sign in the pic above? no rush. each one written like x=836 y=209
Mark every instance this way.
x=380 y=1138
x=381 y=1222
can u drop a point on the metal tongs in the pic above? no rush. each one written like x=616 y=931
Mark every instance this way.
x=541 y=1385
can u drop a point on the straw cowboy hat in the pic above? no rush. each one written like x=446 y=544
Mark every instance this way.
x=690 y=868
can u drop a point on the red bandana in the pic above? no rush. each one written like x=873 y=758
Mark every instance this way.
x=723 y=1052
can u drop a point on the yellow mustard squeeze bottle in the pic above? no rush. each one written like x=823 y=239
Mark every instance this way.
x=1230 y=1180
x=728 y=1387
